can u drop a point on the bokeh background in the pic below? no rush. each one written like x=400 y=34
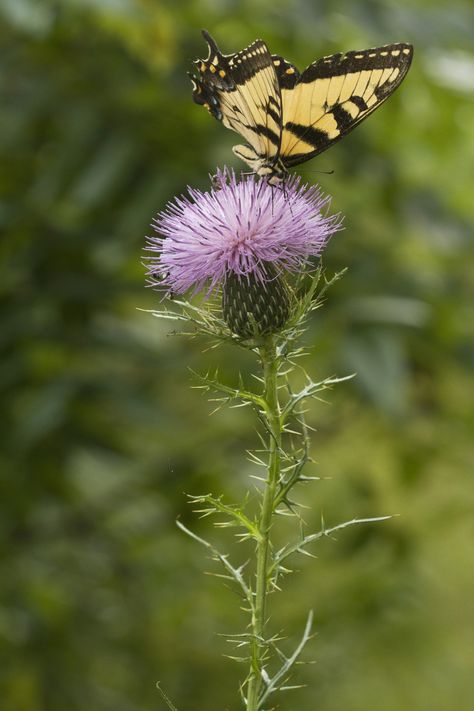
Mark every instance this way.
x=101 y=435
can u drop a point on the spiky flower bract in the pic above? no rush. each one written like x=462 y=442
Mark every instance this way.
x=237 y=227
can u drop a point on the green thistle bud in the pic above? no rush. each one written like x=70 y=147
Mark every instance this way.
x=254 y=306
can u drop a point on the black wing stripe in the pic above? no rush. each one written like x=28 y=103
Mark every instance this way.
x=342 y=116
x=262 y=130
x=276 y=116
x=359 y=102
x=308 y=134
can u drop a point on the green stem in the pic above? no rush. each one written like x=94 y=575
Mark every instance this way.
x=269 y=360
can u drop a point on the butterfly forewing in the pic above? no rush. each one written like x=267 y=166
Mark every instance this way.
x=333 y=95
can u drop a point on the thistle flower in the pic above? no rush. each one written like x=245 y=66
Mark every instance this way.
x=242 y=235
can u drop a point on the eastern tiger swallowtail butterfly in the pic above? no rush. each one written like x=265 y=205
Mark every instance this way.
x=287 y=117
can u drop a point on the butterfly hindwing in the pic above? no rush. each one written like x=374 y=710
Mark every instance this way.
x=333 y=95
x=242 y=91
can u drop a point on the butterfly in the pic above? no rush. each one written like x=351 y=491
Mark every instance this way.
x=286 y=117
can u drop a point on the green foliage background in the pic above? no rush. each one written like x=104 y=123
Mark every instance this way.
x=101 y=435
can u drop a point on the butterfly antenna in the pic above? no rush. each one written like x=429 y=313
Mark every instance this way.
x=322 y=172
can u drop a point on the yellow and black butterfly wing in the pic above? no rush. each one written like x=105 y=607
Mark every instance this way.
x=243 y=92
x=333 y=95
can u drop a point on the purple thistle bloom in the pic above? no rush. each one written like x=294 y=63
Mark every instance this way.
x=236 y=228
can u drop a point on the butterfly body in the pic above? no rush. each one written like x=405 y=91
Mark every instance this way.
x=288 y=117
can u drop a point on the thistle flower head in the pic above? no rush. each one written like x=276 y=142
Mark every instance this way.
x=237 y=228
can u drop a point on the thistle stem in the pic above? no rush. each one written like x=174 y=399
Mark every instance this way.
x=269 y=359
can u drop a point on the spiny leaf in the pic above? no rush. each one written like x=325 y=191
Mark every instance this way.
x=298 y=545
x=234 y=572
x=165 y=698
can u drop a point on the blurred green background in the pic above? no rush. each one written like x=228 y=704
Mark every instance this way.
x=101 y=435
